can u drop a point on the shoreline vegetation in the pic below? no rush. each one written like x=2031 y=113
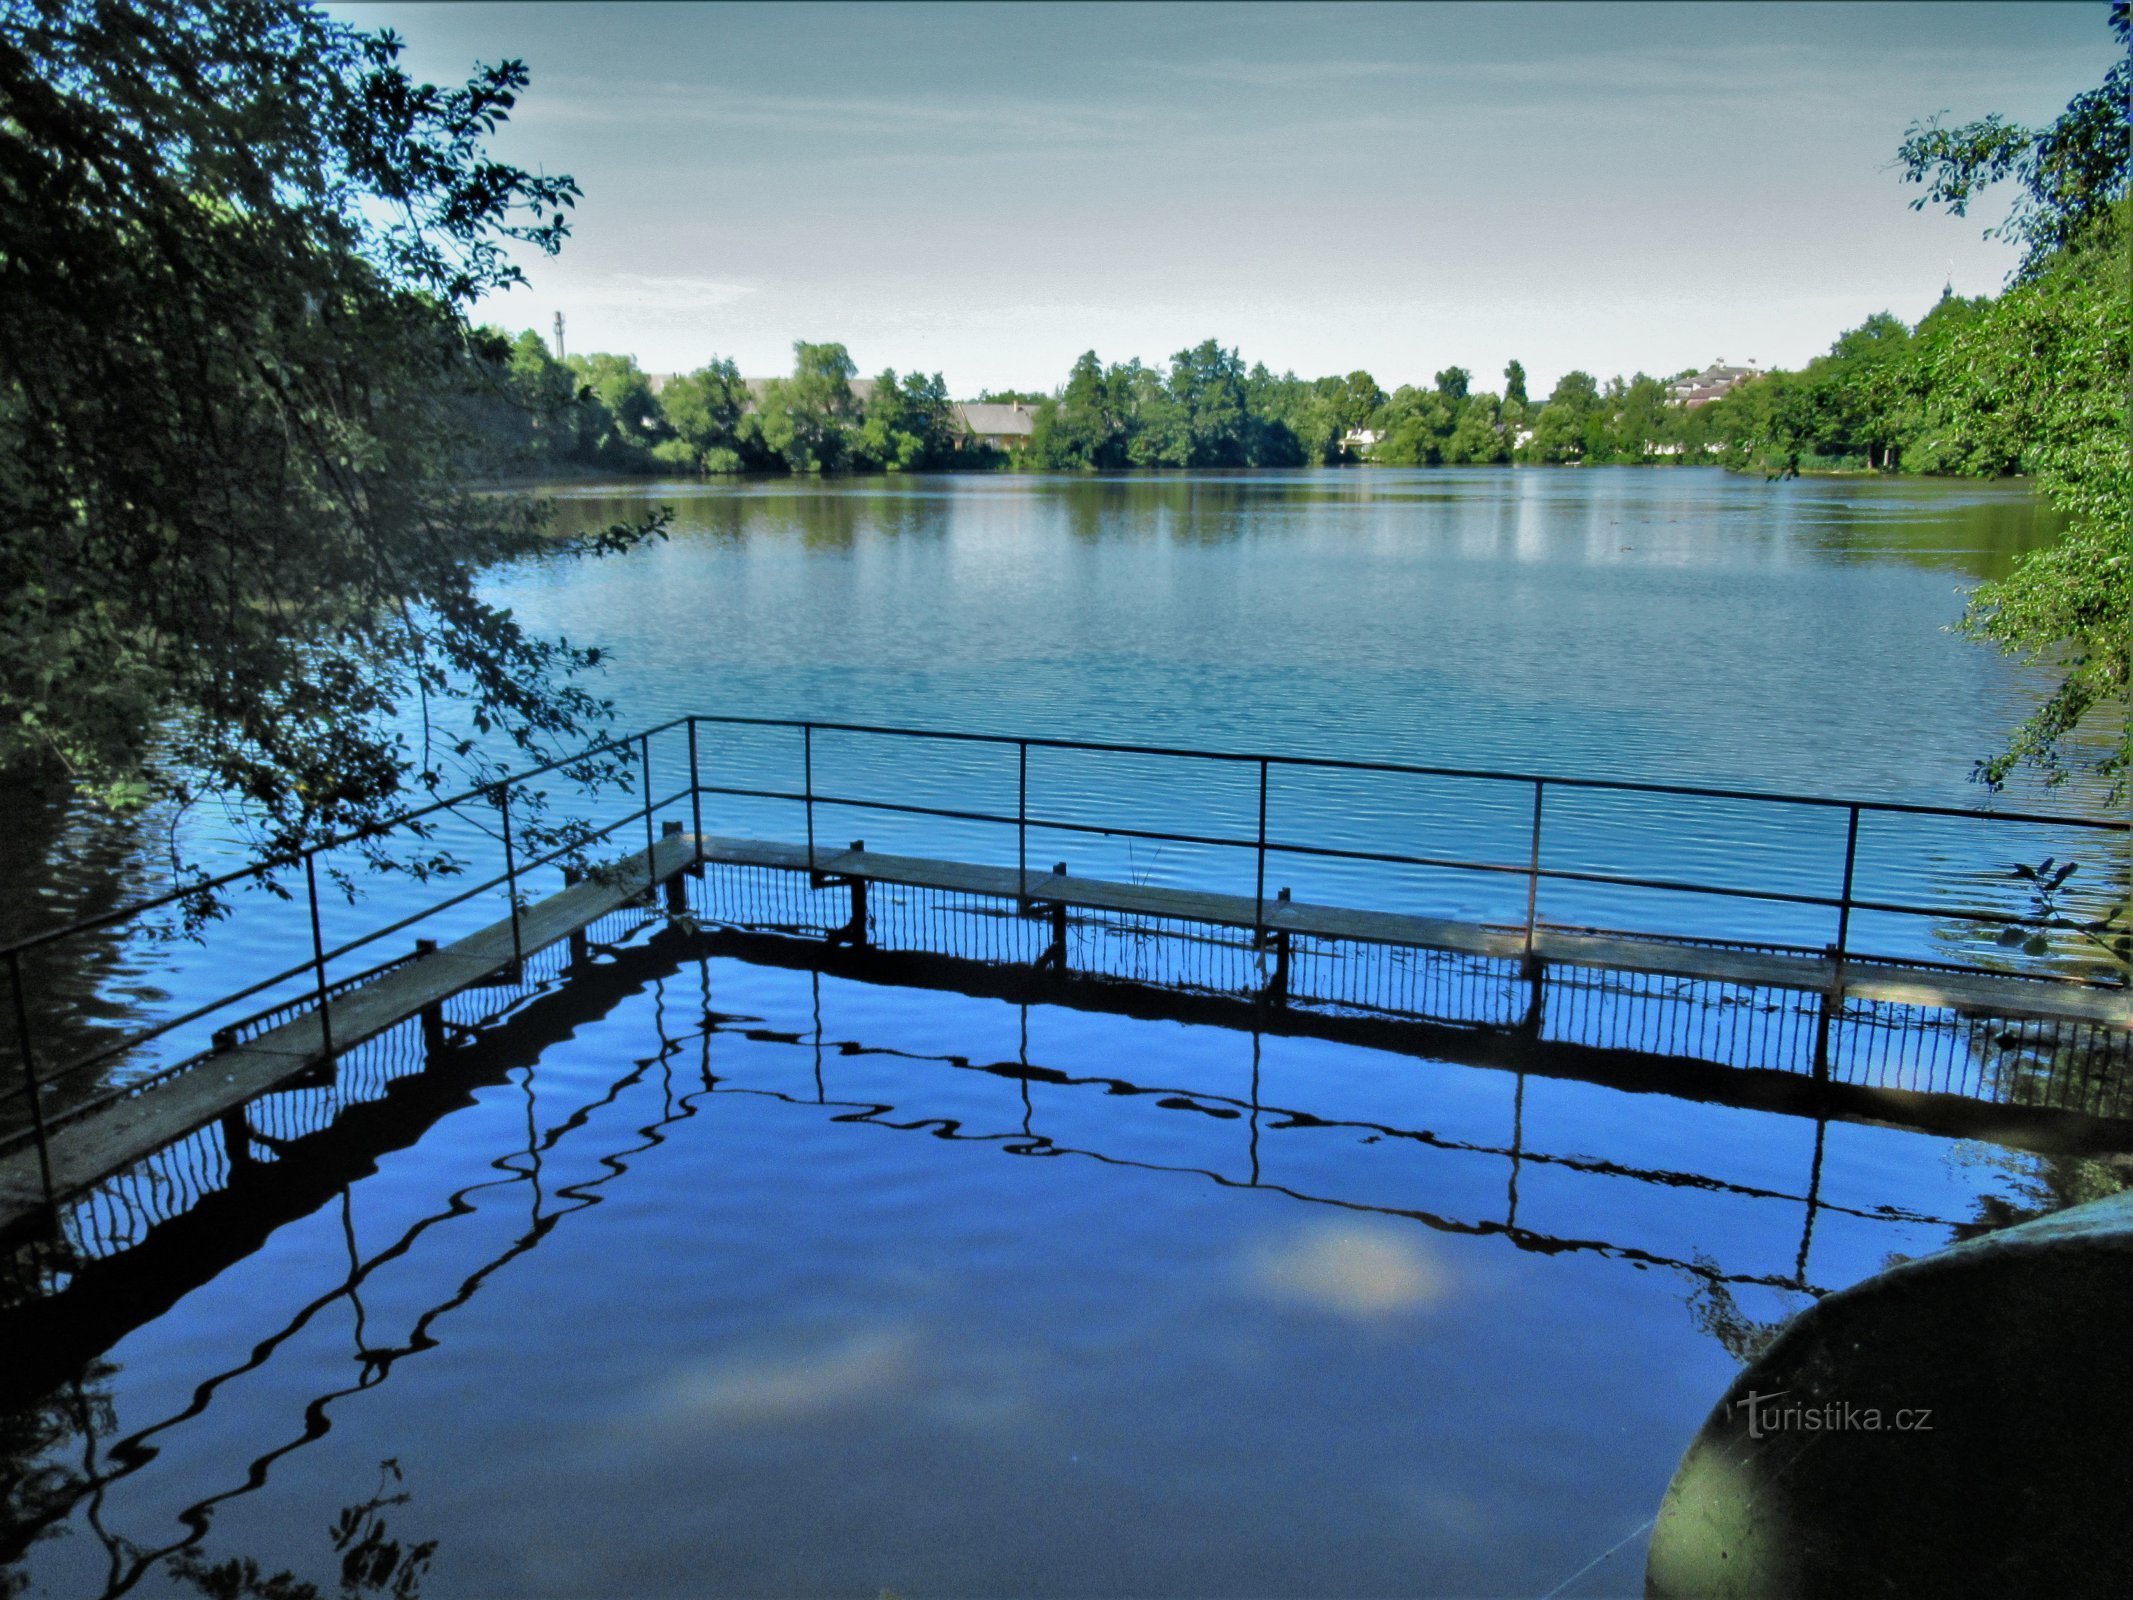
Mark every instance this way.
x=247 y=419
x=1888 y=397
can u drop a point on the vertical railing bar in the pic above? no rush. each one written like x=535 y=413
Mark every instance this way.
x=1833 y=1001
x=1259 y=879
x=1533 y=881
x=1022 y=819
x=29 y=1074
x=651 y=867
x=1844 y=897
x=807 y=773
x=696 y=794
x=318 y=953
x=503 y=806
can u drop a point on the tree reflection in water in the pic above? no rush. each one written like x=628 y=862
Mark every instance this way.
x=372 y=1562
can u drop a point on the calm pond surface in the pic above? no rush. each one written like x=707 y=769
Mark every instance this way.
x=719 y=1277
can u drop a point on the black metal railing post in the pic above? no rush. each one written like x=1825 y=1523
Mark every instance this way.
x=1844 y=896
x=651 y=843
x=31 y=1085
x=807 y=778
x=318 y=954
x=696 y=795
x=1259 y=878
x=1833 y=1002
x=518 y=948
x=1533 y=870
x=1021 y=819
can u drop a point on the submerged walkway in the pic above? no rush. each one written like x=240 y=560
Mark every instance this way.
x=109 y=1137
x=106 y=1137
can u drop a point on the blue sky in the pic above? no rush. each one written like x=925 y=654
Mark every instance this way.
x=988 y=191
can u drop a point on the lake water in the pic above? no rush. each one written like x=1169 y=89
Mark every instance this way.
x=741 y=1278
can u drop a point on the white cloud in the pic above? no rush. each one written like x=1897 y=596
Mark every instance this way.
x=1363 y=1269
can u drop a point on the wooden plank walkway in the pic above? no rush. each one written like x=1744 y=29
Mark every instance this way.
x=103 y=1141
x=1990 y=994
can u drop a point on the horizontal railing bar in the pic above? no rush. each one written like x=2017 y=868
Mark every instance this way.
x=278 y=863
x=1392 y=858
x=1338 y=763
x=502 y=878
x=150 y=1035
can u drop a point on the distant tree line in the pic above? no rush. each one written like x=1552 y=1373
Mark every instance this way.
x=600 y=411
x=1887 y=396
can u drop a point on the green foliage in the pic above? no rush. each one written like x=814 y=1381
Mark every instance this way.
x=807 y=420
x=2108 y=933
x=1085 y=428
x=625 y=422
x=1478 y=437
x=2042 y=376
x=910 y=425
x=242 y=414
x=2045 y=371
x=705 y=410
x=2069 y=176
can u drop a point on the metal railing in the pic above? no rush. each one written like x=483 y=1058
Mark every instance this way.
x=1844 y=902
x=34 y=1083
x=1262 y=844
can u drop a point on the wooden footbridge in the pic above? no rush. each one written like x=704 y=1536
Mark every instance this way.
x=74 y=1125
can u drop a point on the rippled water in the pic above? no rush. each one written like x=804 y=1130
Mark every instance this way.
x=760 y=1281
x=1683 y=626
x=763 y=1281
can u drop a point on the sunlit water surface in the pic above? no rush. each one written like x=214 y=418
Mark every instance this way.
x=865 y=1288
x=851 y=1288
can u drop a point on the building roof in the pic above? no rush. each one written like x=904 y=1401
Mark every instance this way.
x=1712 y=383
x=1014 y=420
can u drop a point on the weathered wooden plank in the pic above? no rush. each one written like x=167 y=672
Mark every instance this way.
x=103 y=1141
x=1755 y=968
x=1986 y=994
x=1394 y=927
x=2012 y=997
x=106 y=1140
x=957 y=877
x=1141 y=899
x=754 y=852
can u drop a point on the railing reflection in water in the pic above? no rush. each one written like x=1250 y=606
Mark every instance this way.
x=802 y=1067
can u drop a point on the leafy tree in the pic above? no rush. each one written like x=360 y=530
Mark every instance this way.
x=1514 y=385
x=1414 y=427
x=1578 y=392
x=541 y=416
x=1478 y=437
x=1452 y=383
x=1085 y=428
x=624 y=417
x=909 y=424
x=2069 y=175
x=1210 y=427
x=1558 y=434
x=704 y=411
x=807 y=419
x=239 y=541
x=2049 y=363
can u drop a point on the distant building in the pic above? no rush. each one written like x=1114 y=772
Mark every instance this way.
x=1714 y=382
x=1000 y=427
x=1359 y=439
